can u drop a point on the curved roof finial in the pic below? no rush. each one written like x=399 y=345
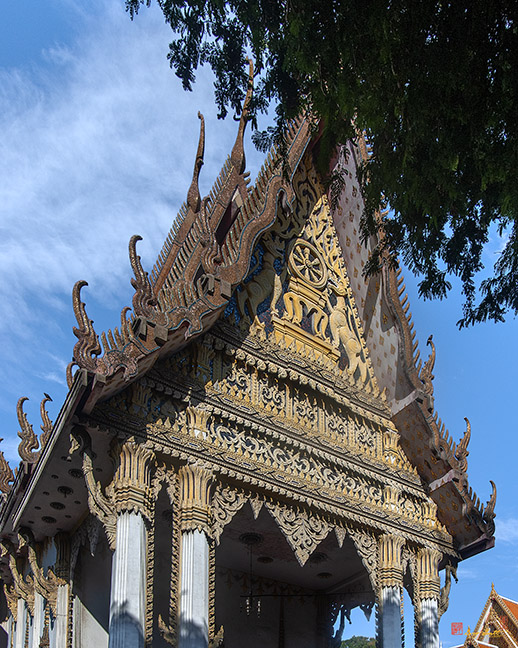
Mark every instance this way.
x=193 y=195
x=238 y=152
x=426 y=372
x=29 y=441
x=143 y=300
x=461 y=451
x=87 y=347
x=46 y=427
x=6 y=474
x=489 y=511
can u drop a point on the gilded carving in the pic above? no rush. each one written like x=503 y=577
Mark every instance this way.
x=197 y=420
x=427 y=581
x=195 y=486
x=444 y=596
x=100 y=504
x=226 y=502
x=368 y=549
x=23 y=586
x=45 y=584
x=303 y=531
x=390 y=560
x=131 y=487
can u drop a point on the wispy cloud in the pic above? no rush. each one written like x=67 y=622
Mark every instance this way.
x=98 y=143
x=507 y=530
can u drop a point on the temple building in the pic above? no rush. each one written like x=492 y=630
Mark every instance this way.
x=253 y=451
x=497 y=626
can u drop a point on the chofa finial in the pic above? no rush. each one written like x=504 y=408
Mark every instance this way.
x=489 y=511
x=426 y=372
x=87 y=348
x=238 y=152
x=193 y=195
x=46 y=426
x=6 y=474
x=144 y=301
x=29 y=441
x=461 y=451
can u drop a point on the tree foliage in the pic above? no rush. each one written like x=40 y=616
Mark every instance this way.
x=357 y=641
x=433 y=85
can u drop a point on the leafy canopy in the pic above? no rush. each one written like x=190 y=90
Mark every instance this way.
x=433 y=85
x=357 y=641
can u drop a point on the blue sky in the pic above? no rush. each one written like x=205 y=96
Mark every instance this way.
x=97 y=144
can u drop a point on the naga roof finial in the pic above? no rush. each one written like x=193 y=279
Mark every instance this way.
x=238 y=152
x=87 y=347
x=193 y=195
x=6 y=474
x=29 y=441
x=489 y=511
x=426 y=372
x=144 y=301
x=46 y=426
x=461 y=452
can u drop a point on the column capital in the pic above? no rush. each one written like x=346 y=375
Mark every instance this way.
x=390 y=563
x=428 y=583
x=195 y=486
x=131 y=485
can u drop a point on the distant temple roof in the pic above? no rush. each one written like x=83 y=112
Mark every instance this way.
x=497 y=625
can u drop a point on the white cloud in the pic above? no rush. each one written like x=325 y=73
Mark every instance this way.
x=507 y=530
x=98 y=143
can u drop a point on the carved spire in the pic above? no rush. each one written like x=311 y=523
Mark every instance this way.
x=29 y=441
x=144 y=301
x=426 y=372
x=238 y=152
x=193 y=195
x=6 y=474
x=489 y=511
x=46 y=426
x=461 y=452
x=87 y=347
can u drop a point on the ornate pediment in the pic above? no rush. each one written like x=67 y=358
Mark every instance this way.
x=298 y=292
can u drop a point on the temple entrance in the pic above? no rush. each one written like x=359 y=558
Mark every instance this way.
x=268 y=595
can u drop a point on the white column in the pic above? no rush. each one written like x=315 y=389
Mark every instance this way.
x=429 y=623
x=21 y=622
x=391 y=617
x=62 y=616
x=428 y=587
x=194 y=590
x=128 y=587
x=38 y=620
x=8 y=626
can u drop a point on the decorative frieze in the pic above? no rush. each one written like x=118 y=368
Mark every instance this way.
x=303 y=531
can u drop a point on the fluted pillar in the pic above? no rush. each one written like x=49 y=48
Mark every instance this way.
x=21 y=624
x=38 y=620
x=195 y=484
x=391 y=583
x=62 y=568
x=132 y=499
x=428 y=587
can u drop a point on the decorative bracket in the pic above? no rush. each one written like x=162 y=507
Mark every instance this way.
x=100 y=505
